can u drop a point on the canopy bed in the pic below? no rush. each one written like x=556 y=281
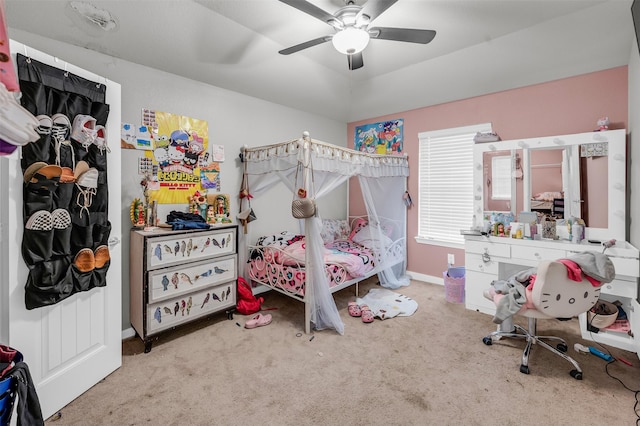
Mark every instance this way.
x=308 y=270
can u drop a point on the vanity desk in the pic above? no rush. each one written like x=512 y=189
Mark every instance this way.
x=497 y=258
x=580 y=164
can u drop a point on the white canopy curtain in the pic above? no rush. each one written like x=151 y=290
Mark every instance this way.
x=383 y=182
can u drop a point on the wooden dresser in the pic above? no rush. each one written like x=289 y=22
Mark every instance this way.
x=179 y=276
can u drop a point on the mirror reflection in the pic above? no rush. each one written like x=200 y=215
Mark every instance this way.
x=502 y=180
x=549 y=180
x=564 y=177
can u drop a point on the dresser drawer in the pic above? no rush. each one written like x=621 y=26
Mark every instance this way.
x=171 y=282
x=187 y=247
x=171 y=312
x=493 y=249
x=475 y=262
x=536 y=253
x=620 y=288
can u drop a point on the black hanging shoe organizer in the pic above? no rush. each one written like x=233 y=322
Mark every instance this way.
x=50 y=254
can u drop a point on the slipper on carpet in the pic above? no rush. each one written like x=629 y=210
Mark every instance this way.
x=354 y=309
x=258 y=321
x=367 y=315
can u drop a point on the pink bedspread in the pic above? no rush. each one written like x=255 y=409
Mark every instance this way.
x=354 y=258
x=344 y=260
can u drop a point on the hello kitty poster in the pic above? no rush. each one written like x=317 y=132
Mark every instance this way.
x=178 y=144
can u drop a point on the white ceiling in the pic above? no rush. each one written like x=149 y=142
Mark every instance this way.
x=481 y=46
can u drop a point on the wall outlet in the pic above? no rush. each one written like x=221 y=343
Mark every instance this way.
x=451 y=259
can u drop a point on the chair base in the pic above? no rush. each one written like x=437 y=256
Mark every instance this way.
x=517 y=332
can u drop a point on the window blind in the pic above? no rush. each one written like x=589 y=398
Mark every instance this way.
x=446 y=183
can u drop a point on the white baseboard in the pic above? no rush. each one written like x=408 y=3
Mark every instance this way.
x=426 y=278
x=128 y=332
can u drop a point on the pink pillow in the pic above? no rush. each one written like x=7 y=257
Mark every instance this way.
x=358 y=224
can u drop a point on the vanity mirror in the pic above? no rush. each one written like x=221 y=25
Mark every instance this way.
x=584 y=173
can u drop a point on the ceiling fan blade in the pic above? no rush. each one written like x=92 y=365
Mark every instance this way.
x=311 y=9
x=375 y=8
x=402 y=34
x=305 y=45
x=355 y=61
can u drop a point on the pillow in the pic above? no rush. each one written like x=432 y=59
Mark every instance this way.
x=547 y=196
x=358 y=224
x=372 y=238
x=334 y=229
x=281 y=239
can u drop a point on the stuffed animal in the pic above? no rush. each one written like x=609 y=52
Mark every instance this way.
x=603 y=123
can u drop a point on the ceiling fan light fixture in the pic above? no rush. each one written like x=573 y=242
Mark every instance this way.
x=350 y=40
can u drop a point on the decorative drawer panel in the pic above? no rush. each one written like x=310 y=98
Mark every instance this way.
x=174 y=311
x=620 y=288
x=475 y=262
x=536 y=253
x=174 y=249
x=170 y=282
x=493 y=249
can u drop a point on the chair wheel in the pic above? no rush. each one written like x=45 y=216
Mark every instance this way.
x=524 y=369
x=576 y=374
x=561 y=347
x=487 y=340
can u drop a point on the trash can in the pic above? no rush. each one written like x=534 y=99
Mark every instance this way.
x=454 y=284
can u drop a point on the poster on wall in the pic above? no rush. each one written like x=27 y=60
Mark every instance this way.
x=384 y=137
x=178 y=144
x=135 y=137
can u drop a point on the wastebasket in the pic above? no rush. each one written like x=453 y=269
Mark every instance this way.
x=454 y=284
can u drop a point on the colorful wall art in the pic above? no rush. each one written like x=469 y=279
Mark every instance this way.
x=178 y=145
x=384 y=137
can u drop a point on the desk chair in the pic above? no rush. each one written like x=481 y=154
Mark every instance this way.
x=554 y=295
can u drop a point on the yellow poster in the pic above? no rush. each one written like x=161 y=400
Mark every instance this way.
x=178 y=145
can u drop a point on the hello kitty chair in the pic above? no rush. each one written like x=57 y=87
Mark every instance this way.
x=554 y=295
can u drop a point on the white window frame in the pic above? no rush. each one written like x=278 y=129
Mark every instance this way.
x=445 y=195
x=501 y=177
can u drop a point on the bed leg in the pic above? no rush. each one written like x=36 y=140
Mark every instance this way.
x=307 y=318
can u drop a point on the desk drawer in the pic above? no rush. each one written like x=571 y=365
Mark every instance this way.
x=536 y=253
x=626 y=267
x=493 y=249
x=475 y=285
x=474 y=262
x=620 y=288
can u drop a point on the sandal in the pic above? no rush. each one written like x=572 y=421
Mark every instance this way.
x=354 y=309
x=367 y=315
x=258 y=321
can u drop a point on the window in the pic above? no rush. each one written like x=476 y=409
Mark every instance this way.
x=501 y=178
x=446 y=184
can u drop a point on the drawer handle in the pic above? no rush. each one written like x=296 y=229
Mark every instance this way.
x=486 y=258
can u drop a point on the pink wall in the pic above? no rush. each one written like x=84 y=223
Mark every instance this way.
x=566 y=106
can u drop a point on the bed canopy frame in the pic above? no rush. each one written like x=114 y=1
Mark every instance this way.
x=382 y=179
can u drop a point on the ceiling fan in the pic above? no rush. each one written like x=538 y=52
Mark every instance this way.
x=353 y=31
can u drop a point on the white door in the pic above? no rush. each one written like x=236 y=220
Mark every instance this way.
x=72 y=345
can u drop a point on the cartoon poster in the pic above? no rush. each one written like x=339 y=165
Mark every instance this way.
x=384 y=137
x=178 y=145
